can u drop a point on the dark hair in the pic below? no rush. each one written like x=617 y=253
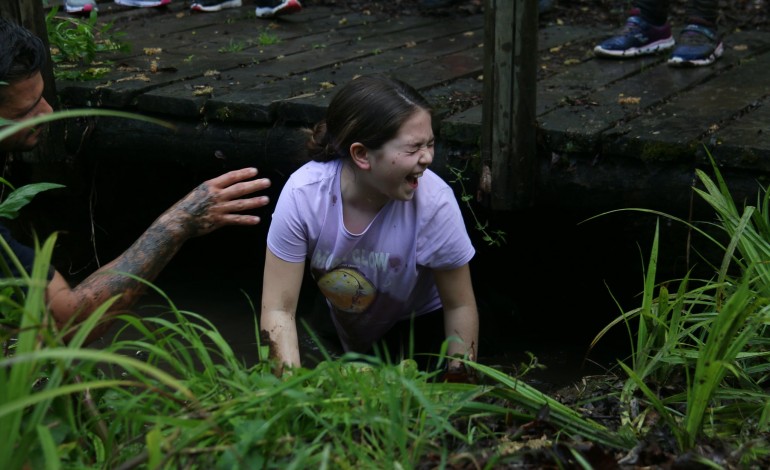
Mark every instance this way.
x=370 y=110
x=21 y=54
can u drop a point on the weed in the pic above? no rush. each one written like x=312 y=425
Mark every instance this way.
x=266 y=38
x=491 y=237
x=232 y=46
x=77 y=41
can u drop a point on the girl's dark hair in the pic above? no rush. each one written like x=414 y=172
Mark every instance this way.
x=21 y=54
x=370 y=110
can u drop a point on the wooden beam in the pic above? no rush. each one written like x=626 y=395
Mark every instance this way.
x=508 y=111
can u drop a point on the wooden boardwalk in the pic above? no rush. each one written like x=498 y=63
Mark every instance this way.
x=239 y=88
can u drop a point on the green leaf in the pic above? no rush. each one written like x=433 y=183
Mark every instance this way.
x=19 y=198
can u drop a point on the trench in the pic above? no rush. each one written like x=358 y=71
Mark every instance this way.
x=548 y=290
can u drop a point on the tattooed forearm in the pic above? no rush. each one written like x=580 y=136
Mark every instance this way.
x=215 y=203
x=197 y=205
x=145 y=259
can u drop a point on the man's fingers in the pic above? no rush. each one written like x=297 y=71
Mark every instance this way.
x=232 y=177
x=243 y=188
x=233 y=206
x=239 y=219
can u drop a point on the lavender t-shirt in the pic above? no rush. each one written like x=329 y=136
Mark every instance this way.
x=376 y=278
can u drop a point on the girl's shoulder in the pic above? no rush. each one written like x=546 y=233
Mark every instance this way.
x=434 y=180
x=433 y=189
x=313 y=172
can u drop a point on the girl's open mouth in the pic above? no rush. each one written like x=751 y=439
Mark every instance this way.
x=412 y=179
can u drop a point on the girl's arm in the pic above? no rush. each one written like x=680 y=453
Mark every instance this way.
x=461 y=318
x=280 y=293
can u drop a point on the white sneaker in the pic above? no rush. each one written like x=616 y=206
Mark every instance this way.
x=214 y=5
x=143 y=3
x=80 y=6
x=280 y=7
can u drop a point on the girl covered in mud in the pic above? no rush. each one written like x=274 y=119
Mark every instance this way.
x=383 y=234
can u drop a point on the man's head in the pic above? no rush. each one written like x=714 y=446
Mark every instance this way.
x=22 y=56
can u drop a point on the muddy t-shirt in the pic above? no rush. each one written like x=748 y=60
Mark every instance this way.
x=383 y=275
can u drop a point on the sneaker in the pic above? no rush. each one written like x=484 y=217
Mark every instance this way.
x=280 y=7
x=143 y=3
x=80 y=6
x=214 y=5
x=698 y=45
x=638 y=37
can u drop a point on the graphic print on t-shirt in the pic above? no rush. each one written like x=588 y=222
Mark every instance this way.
x=347 y=289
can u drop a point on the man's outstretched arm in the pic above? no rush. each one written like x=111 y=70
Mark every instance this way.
x=215 y=203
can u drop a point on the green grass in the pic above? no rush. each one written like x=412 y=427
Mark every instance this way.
x=700 y=351
x=232 y=46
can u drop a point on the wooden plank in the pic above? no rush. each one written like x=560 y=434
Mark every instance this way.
x=677 y=129
x=303 y=72
x=508 y=137
x=185 y=38
x=745 y=142
x=465 y=127
x=422 y=75
x=118 y=89
x=575 y=83
x=594 y=122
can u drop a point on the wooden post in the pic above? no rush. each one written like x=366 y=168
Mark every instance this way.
x=30 y=14
x=508 y=111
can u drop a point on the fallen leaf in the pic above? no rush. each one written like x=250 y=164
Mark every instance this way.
x=201 y=90
x=629 y=99
x=152 y=50
x=139 y=77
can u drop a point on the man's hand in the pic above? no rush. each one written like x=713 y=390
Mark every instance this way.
x=219 y=202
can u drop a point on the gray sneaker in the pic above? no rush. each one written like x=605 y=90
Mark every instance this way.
x=80 y=6
x=698 y=45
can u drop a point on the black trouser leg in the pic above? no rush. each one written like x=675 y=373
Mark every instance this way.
x=653 y=11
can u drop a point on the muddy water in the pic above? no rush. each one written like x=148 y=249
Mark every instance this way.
x=546 y=292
